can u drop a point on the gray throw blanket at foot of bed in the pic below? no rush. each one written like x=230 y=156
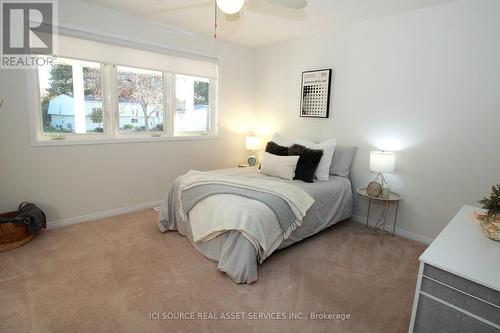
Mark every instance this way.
x=286 y=218
x=288 y=202
x=244 y=203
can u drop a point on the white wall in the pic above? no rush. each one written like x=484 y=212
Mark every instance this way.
x=425 y=83
x=70 y=181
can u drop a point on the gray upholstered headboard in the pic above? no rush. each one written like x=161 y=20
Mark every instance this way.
x=342 y=160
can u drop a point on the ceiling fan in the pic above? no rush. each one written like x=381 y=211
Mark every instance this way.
x=232 y=8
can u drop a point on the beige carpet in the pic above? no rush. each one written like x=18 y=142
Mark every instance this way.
x=109 y=275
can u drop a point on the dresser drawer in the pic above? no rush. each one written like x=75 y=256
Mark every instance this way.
x=462 y=284
x=435 y=317
x=461 y=300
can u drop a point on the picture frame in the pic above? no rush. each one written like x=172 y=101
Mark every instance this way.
x=315 y=93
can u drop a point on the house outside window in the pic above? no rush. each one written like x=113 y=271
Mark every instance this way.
x=70 y=90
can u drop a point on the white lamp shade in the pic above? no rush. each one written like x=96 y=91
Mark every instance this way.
x=382 y=161
x=252 y=143
x=230 y=6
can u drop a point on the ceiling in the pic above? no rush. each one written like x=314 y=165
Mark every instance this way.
x=260 y=22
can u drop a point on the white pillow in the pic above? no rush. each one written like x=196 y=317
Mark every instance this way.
x=328 y=148
x=282 y=141
x=279 y=166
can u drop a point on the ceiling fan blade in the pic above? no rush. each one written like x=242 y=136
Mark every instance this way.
x=182 y=7
x=174 y=30
x=232 y=17
x=295 y=4
x=270 y=8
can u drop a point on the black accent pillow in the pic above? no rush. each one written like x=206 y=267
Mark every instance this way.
x=276 y=149
x=308 y=162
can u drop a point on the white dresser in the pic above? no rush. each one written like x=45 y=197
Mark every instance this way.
x=458 y=286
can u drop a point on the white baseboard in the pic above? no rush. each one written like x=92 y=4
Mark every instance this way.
x=134 y=208
x=399 y=231
x=101 y=215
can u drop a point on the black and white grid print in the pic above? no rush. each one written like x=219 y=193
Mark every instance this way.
x=315 y=93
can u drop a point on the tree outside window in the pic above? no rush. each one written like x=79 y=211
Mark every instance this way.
x=144 y=88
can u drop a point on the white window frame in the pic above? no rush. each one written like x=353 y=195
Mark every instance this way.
x=115 y=111
x=212 y=102
x=35 y=110
x=111 y=132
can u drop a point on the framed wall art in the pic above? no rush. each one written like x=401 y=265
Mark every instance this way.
x=315 y=97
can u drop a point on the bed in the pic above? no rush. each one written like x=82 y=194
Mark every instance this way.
x=235 y=253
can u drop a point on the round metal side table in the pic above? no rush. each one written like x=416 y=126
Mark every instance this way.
x=393 y=198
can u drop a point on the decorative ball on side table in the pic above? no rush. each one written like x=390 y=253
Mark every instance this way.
x=374 y=189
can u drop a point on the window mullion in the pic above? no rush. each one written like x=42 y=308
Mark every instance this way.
x=167 y=104
x=172 y=106
x=213 y=103
x=105 y=99
x=112 y=100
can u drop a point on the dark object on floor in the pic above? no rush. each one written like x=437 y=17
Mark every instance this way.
x=18 y=228
x=30 y=215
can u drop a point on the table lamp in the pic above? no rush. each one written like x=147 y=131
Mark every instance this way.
x=380 y=161
x=252 y=144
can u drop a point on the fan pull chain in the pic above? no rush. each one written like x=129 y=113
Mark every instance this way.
x=215 y=14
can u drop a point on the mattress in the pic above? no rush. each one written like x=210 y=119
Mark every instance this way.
x=235 y=255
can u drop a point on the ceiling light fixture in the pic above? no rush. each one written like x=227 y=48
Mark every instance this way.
x=230 y=6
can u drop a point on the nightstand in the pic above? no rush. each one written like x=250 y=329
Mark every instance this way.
x=393 y=198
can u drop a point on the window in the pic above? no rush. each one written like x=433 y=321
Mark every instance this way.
x=71 y=97
x=140 y=99
x=192 y=99
x=96 y=92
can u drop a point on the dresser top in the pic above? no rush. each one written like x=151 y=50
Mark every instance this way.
x=462 y=249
